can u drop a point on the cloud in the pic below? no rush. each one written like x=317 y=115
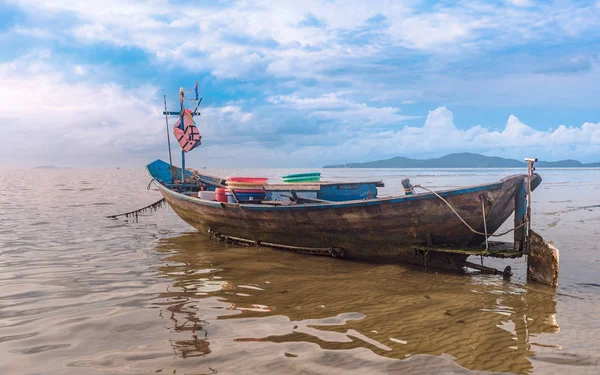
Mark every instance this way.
x=308 y=38
x=521 y=3
x=46 y=116
x=389 y=51
x=334 y=107
x=59 y=116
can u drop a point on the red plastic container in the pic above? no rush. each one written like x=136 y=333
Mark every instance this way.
x=254 y=180
x=220 y=194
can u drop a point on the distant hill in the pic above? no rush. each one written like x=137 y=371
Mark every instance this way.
x=461 y=160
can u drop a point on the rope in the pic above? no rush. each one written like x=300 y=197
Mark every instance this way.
x=134 y=214
x=334 y=252
x=150 y=183
x=484 y=226
x=464 y=222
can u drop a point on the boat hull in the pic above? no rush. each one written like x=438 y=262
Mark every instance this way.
x=374 y=230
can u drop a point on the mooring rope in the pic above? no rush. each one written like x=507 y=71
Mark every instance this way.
x=150 y=183
x=484 y=227
x=463 y=220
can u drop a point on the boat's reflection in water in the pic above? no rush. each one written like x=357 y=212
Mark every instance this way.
x=222 y=298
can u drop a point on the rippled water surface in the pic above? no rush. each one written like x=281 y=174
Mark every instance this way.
x=82 y=294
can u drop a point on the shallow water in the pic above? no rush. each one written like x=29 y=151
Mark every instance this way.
x=80 y=293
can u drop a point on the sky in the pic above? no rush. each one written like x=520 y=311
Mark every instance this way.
x=298 y=83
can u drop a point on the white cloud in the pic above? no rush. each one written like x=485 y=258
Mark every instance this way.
x=521 y=3
x=46 y=117
x=439 y=120
x=334 y=107
x=432 y=31
x=51 y=116
x=242 y=38
x=34 y=32
x=79 y=70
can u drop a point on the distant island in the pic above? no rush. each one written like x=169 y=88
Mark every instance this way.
x=50 y=167
x=46 y=167
x=462 y=160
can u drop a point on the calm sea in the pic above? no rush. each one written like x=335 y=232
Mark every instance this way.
x=82 y=294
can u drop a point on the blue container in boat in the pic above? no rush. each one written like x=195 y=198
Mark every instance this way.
x=247 y=197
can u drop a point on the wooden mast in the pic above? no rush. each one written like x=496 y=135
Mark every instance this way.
x=181 y=115
x=167 y=123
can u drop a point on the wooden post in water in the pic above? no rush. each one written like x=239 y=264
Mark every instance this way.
x=530 y=169
x=542 y=257
x=520 y=237
x=542 y=261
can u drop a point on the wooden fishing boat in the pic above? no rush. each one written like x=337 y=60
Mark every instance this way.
x=349 y=220
x=392 y=229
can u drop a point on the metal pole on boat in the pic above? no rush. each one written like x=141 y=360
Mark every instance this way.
x=181 y=119
x=530 y=169
x=167 y=123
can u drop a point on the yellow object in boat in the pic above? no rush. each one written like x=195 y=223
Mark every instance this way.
x=245 y=185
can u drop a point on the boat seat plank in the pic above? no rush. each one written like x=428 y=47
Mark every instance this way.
x=316 y=186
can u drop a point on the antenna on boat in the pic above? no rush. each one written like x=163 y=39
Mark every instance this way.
x=530 y=170
x=194 y=112
x=181 y=126
x=167 y=124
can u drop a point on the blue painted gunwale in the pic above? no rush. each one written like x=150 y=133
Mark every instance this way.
x=161 y=170
x=333 y=205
